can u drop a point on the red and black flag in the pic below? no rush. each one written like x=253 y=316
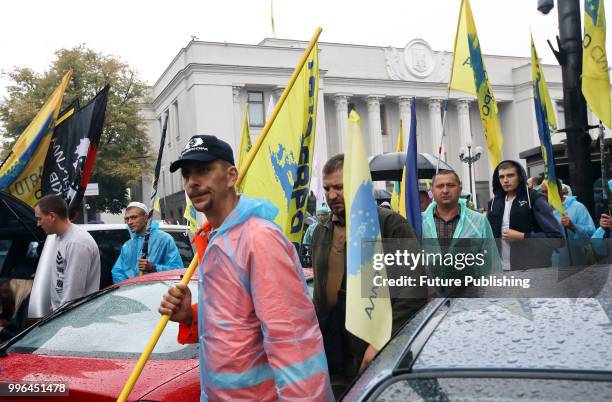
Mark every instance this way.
x=72 y=152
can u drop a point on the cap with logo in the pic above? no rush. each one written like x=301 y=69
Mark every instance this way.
x=203 y=148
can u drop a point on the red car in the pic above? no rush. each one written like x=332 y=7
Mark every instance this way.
x=93 y=344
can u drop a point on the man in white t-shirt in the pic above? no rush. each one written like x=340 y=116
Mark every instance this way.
x=77 y=261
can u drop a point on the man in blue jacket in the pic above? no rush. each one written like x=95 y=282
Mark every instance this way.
x=162 y=254
x=579 y=227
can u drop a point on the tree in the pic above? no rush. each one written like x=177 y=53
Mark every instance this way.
x=124 y=152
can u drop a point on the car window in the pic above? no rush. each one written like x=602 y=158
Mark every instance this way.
x=494 y=389
x=184 y=246
x=117 y=324
x=109 y=242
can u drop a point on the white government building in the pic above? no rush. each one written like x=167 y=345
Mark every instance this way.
x=207 y=85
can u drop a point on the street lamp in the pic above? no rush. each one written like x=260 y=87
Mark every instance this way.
x=466 y=156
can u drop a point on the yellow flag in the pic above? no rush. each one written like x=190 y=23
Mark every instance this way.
x=281 y=169
x=462 y=76
x=369 y=317
x=190 y=215
x=245 y=139
x=156 y=202
x=395 y=197
x=467 y=56
x=545 y=117
x=22 y=172
x=595 y=78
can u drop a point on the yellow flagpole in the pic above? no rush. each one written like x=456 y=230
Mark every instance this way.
x=142 y=360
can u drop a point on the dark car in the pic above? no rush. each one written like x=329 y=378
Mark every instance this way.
x=504 y=349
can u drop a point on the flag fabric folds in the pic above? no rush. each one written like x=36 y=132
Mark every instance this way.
x=545 y=117
x=369 y=317
x=281 y=169
x=467 y=56
x=73 y=150
x=395 y=196
x=21 y=174
x=595 y=77
x=190 y=215
x=411 y=178
x=245 y=138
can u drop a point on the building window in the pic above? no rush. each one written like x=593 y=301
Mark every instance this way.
x=560 y=115
x=175 y=120
x=383 y=119
x=256 y=108
x=351 y=107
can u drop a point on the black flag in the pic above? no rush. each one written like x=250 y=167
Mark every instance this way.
x=72 y=152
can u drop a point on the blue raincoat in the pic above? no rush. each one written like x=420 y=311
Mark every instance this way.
x=578 y=242
x=163 y=253
x=472 y=225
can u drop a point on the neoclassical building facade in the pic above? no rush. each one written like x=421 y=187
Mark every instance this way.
x=206 y=86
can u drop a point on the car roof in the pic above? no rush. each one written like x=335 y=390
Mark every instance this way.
x=174 y=274
x=547 y=334
x=122 y=226
x=177 y=274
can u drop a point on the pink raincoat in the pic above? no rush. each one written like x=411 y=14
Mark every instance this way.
x=258 y=331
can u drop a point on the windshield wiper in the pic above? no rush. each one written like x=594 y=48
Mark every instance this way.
x=68 y=306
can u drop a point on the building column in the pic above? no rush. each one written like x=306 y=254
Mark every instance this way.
x=405 y=104
x=435 y=122
x=341 y=101
x=465 y=136
x=238 y=118
x=375 y=135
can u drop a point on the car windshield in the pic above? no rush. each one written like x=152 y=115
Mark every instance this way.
x=494 y=389
x=117 y=324
x=561 y=334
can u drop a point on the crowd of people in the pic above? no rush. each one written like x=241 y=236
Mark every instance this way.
x=260 y=334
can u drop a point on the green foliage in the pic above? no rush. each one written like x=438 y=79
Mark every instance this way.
x=124 y=152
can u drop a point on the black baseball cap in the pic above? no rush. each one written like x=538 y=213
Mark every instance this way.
x=203 y=148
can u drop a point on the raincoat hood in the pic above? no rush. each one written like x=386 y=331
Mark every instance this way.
x=568 y=201
x=246 y=208
x=522 y=190
x=498 y=189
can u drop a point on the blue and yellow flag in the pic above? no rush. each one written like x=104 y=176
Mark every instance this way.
x=370 y=317
x=281 y=169
x=190 y=215
x=412 y=204
x=395 y=197
x=595 y=78
x=21 y=174
x=545 y=116
x=245 y=138
x=467 y=58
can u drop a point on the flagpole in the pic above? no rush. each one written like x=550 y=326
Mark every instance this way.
x=443 y=128
x=145 y=242
x=605 y=190
x=129 y=385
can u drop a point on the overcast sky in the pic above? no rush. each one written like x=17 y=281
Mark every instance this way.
x=148 y=34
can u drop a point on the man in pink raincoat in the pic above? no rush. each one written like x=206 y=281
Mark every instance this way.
x=257 y=328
